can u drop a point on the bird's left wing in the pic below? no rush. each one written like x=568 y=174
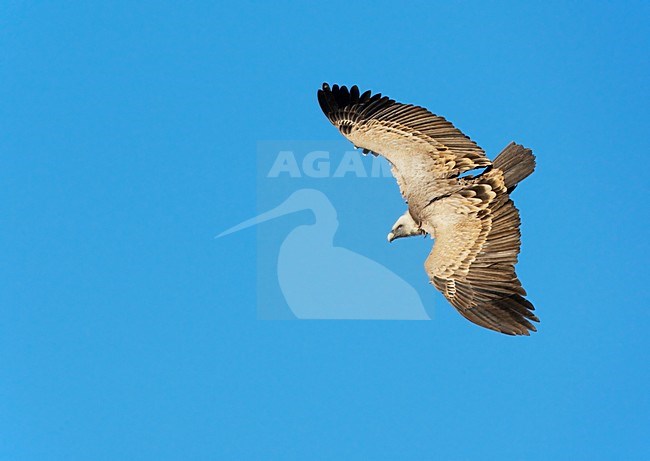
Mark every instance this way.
x=421 y=146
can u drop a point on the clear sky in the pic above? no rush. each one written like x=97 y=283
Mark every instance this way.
x=128 y=140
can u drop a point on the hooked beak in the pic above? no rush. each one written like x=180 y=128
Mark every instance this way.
x=390 y=237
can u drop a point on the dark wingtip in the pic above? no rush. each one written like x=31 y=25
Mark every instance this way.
x=337 y=97
x=333 y=98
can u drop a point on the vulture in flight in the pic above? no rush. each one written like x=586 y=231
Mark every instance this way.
x=473 y=220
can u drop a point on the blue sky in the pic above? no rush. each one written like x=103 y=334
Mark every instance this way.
x=129 y=139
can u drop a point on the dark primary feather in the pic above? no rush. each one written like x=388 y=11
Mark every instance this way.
x=335 y=98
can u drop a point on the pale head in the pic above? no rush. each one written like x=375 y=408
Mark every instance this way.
x=405 y=226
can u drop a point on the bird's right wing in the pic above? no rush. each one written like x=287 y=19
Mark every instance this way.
x=472 y=262
x=420 y=145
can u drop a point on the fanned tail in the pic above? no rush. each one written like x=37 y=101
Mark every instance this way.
x=516 y=162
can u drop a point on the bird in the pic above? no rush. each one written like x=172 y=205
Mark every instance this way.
x=454 y=194
x=351 y=290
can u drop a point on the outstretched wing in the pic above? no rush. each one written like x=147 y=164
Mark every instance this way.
x=473 y=258
x=420 y=145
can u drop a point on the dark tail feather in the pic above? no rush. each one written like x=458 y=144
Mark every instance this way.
x=516 y=162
